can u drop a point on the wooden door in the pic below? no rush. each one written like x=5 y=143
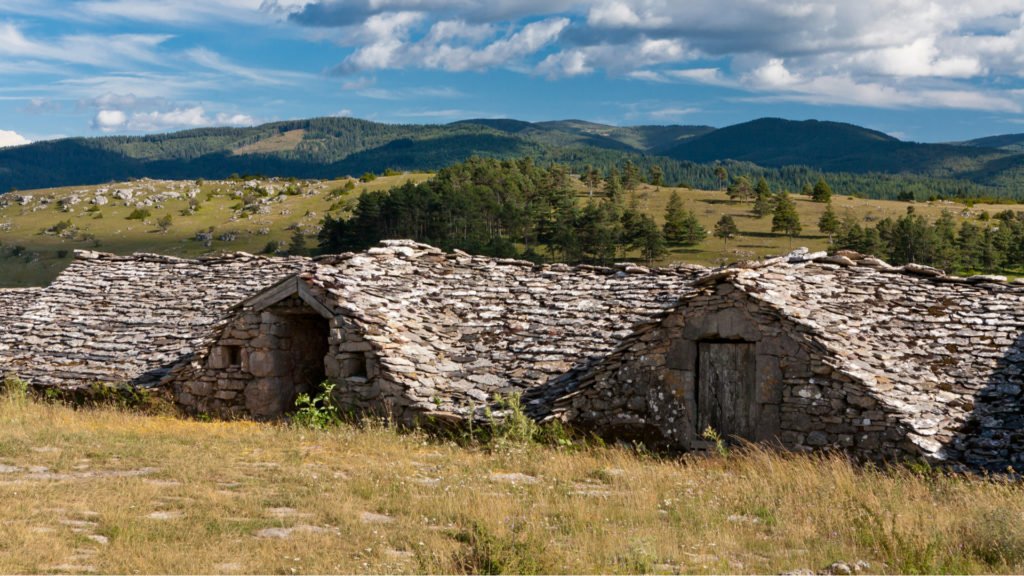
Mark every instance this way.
x=727 y=389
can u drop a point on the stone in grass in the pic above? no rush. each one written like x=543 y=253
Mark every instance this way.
x=513 y=478
x=164 y=515
x=373 y=518
x=287 y=532
x=70 y=568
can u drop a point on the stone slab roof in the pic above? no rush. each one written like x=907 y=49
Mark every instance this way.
x=455 y=329
x=941 y=351
x=13 y=302
x=127 y=319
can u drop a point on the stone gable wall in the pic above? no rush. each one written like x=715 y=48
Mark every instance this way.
x=646 y=389
x=255 y=367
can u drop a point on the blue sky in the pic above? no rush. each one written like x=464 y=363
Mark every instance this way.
x=925 y=70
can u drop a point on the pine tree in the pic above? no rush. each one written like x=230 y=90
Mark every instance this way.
x=740 y=189
x=613 y=186
x=726 y=229
x=829 y=223
x=585 y=177
x=785 y=219
x=675 y=217
x=297 y=245
x=648 y=239
x=763 y=199
x=821 y=192
x=630 y=175
x=722 y=174
x=693 y=231
x=657 y=177
x=945 y=252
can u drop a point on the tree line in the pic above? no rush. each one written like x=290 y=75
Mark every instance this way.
x=986 y=244
x=507 y=208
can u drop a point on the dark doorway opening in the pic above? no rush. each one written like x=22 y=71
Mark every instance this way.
x=726 y=391
x=308 y=334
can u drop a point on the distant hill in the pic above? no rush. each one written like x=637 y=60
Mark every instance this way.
x=314 y=148
x=1009 y=142
x=787 y=152
x=828 y=146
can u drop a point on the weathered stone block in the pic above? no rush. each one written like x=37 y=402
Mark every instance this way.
x=264 y=363
x=200 y=388
x=682 y=354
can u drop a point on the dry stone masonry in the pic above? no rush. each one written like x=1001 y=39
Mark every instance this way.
x=808 y=352
x=822 y=351
x=127 y=319
x=13 y=302
x=415 y=332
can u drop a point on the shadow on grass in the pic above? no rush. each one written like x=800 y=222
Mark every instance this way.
x=724 y=201
x=684 y=250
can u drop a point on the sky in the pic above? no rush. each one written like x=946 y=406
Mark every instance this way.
x=921 y=70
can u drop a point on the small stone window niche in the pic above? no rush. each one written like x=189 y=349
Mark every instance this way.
x=226 y=356
x=233 y=355
x=353 y=365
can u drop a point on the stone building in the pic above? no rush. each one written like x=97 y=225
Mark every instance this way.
x=807 y=352
x=408 y=331
x=840 y=352
x=124 y=319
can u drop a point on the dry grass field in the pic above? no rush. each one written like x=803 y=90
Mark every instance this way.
x=112 y=491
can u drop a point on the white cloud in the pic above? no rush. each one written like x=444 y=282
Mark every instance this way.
x=226 y=119
x=216 y=62
x=108 y=120
x=113 y=51
x=612 y=14
x=568 y=63
x=711 y=76
x=881 y=53
x=178 y=12
x=619 y=59
x=669 y=113
x=917 y=59
x=410 y=93
x=11 y=138
x=190 y=117
x=772 y=74
x=392 y=45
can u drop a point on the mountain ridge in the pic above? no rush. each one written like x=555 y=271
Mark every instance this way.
x=328 y=147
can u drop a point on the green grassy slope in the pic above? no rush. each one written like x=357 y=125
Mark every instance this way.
x=34 y=248
x=35 y=245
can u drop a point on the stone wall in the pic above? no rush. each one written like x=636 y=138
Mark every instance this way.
x=418 y=333
x=264 y=358
x=646 y=389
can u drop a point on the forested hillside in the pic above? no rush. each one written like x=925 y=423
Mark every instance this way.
x=788 y=154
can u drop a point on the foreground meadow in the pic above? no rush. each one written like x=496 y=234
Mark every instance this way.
x=107 y=490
